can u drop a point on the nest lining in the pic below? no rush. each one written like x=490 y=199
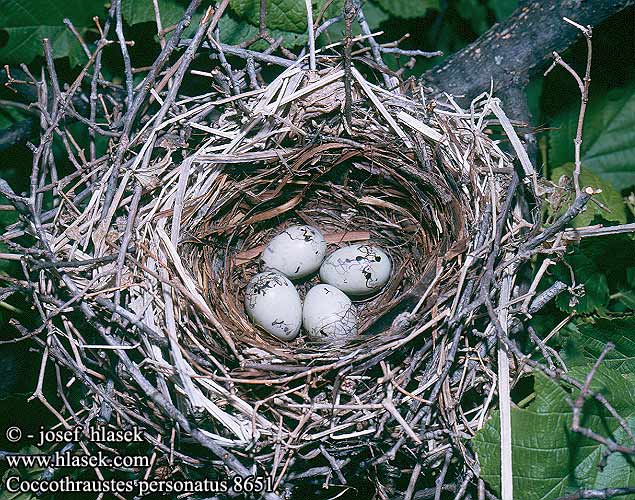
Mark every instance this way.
x=352 y=194
x=407 y=175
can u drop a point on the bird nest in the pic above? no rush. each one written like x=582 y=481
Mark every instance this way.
x=154 y=243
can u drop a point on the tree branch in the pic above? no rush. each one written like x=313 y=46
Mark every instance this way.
x=511 y=52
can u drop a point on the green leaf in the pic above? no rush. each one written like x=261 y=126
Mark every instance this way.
x=626 y=297
x=608 y=142
x=475 y=14
x=591 y=275
x=608 y=204
x=142 y=11
x=594 y=337
x=615 y=385
x=375 y=15
x=408 y=8
x=234 y=31
x=601 y=265
x=502 y=8
x=27 y=22
x=548 y=459
x=23 y=473
x=286 y=15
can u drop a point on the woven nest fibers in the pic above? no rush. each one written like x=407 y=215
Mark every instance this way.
x=174 y=235
x=366 y=191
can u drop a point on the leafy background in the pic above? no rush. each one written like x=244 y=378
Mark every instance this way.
x=548 y=459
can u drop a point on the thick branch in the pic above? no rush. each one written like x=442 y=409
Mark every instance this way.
x=511 y=52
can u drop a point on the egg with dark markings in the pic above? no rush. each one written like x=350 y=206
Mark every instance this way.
x=328 y=314
x=357 y=269
x=273 y=303
x=296 y=252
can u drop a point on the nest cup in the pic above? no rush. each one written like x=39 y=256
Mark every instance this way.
x=364 y=191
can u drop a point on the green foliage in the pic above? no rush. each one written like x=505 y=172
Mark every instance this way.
x=27 y=22
x=234 y=31
x=287 y=15
x=141 y=11
x=408 y=8
x=502 y=8
x=585 y=347
x=626 y=293
x=475 y=14
x=548 y=459
x=589 y=273
x=285 y=18
x=24 y=473
x=10 y=115
x=609 y=204
x=375 y=15
x=602 y=269
x=608 y=145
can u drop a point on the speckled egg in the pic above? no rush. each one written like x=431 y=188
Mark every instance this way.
x=357 y=269
x=273 y=303
x=328 y=314
x=296 y=252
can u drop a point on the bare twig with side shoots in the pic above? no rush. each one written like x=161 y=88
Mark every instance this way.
x=441 y=479
x=547 y=296
x=124 y=52
x=562 y=222
x=263 y=33
x=583 y=87
x=389 y=81
x=139 y=99
x=411 y=53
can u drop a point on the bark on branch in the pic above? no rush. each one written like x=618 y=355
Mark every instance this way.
x=510 y=52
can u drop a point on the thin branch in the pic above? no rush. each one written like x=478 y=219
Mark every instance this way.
x=583 y=86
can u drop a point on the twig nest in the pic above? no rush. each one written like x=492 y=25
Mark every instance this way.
x=329 y=314
x=273 y=303
x=296 y=252
x=357 y=269
x=417 y=178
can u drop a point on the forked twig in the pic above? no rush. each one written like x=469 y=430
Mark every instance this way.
x=583 y=87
